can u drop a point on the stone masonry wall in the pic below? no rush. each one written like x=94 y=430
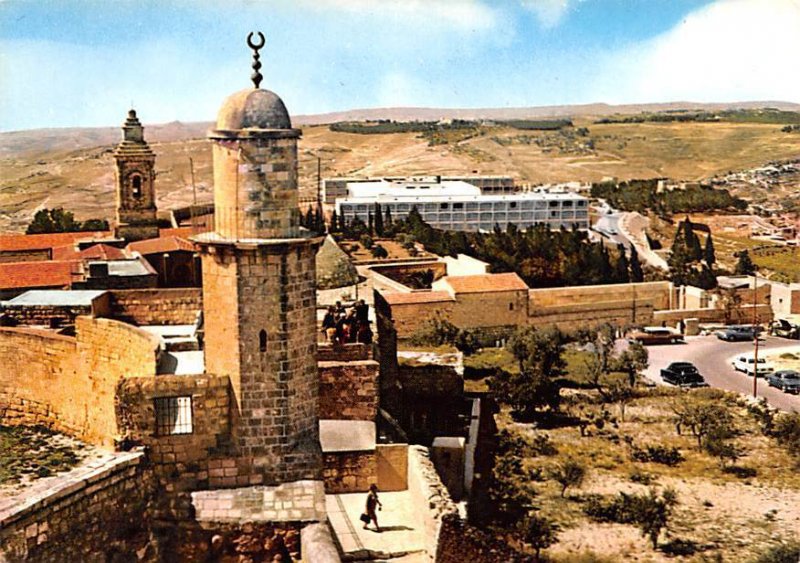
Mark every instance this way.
x=349 y=472
x=94 y=516
x=69 y=383
x=348 y=390
x=429 y=495
x=157 y=306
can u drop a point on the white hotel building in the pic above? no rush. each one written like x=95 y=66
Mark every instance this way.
x=459 y=206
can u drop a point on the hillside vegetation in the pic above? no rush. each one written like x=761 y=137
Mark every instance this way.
x=73 y=168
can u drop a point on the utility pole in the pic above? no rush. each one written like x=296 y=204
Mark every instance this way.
x=194 y=198
x=755 y=335
x=319 y=182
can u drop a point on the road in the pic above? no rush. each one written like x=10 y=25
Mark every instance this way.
x=713 y=358
x=607 y=224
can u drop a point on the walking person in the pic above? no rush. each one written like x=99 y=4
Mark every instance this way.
x=373 y=503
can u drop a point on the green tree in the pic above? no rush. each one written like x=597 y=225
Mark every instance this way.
x=95 y=225
x=654 y=512
x=539 y=354
x=370 y=226
x=744 y=264
x=334 y=226
x=703 y=419
x=633 y=361
x=621 y=274
x=378 y=220
x=709 y=255
x=637 y=274
x=53 y=221
x=387 y=219
x=379 y=252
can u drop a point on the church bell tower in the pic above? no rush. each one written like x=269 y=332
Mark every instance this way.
x=135 y=175
x=259 y=287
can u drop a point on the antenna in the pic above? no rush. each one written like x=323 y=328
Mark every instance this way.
x=256 y=76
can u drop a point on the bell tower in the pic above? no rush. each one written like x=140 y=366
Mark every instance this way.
x=135 y=176
x=259 y=287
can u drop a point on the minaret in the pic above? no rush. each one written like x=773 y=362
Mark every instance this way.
x=136 y=194
x=259 y=287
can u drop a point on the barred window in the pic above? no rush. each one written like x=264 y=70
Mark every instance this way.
x=173 y=415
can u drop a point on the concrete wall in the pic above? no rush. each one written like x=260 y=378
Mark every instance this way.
x=743 y=314
x=348 y=390
x=96 y=515
x=157 y=306
x=490 y=309
x=571 y=317
x=785 y=299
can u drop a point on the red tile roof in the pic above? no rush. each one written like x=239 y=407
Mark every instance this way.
x=48 y=240
x=401 y=298
x=94 y=252
x=53 y=273
x=184 y=232
x=160 y=245
x=483 y=283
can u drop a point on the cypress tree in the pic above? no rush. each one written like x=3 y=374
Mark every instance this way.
x=709 y=255
x=378 y=220
x=621 y=267
x=370 y=228
x=388 y=218
x=319 y=220
x=334 y=222
x=637 y=275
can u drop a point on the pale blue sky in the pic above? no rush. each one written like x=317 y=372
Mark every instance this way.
x=81 y=63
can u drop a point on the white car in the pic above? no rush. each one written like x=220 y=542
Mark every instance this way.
x=746 y=363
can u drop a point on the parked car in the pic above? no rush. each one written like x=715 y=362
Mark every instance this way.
x=746 y=364
x=740 y=333
x=785 y=329
x=683 y=374
x=786 y=380
x=655 y=335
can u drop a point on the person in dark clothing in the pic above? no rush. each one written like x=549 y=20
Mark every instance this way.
x=372 y=504
x=329 y=324
x=362 y=311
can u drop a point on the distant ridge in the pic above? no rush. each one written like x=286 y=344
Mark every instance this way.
x=73 y=138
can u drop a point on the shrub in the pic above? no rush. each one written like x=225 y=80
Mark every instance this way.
x=679 y=547
x=642 y=477
x=366 y=241
x=787 y=433
x=378 y=251
x=570 y=473
x=740 y=471
x=542 y=445
x=664 y=455
x=783 y=553
x=540 y=533
x=651 y=512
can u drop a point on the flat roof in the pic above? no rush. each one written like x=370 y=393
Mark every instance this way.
x=402 y=298
x=74 y=297
x=436 y=196
x=347 y=435
x=482 y=283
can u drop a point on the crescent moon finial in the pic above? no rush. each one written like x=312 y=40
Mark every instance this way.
x=256 y=77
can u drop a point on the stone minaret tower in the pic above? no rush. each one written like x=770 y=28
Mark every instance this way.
x=136 y=194
x=259 y=288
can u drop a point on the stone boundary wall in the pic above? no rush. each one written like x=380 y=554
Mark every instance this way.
x=97 y=514
x=429 y=496
x=162 y=306
x=40 y=372
x=55 y=315
x=349 y=472
x=459 y=542
x=348 y=390
x=742 y=314
x=327 y=352
x=69 y=383
x=662 y=294
x=570 y=317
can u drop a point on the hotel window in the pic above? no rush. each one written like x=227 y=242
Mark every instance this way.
x=513 y=204
x=458 y=205
x=566 y=203
x=554 y=214
x=173 y=415
x=444 y=206
x=581 y=203
x=553 y=204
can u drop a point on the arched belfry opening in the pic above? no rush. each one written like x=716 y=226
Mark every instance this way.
x=262 y=340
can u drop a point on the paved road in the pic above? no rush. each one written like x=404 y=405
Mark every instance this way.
x=609 y=223
x=713 y=358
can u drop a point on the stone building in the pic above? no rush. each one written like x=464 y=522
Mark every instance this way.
x=259 y=288
x=135 y=177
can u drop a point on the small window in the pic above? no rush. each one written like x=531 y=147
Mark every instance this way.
x=262 y=340
x=137 y=186
x=444 y=206
x=173 y=415
x=458 y=206
x=510 y=306
x=513 y=204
